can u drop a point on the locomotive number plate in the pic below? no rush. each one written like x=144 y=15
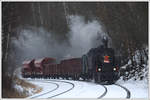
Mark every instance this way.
x=106 y=59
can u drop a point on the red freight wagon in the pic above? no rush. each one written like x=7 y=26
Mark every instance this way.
x=76 y=67
x=50 y=70
x=46 y=70
x=43 y=63
x=62 y=66
x=53 y=67
x=65 y=68
x=59 y=70
x=28 y=68
x=71 y=67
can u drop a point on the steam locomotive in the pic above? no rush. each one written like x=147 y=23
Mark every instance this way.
x=98 y=64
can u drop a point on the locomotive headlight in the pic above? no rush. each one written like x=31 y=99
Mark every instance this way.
x=114 y=69
x=99 y=69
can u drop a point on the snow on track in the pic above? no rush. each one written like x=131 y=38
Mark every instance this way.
x=49 y=90
x=103 y=93
x=84 y=90
x=115 y=91
x=138 y=88
x=128 y=92
x=54 y=88
x=80 y=90
x=46 y=88
x=63 y=91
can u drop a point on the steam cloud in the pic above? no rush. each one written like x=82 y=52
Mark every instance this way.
x=84 y=35
x=34 y=43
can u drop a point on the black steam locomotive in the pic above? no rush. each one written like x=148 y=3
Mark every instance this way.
x=101 y=64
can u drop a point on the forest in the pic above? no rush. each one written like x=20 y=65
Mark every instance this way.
x=52 y=25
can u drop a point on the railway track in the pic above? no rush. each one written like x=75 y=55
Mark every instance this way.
x=106 y=90
x=128 y=92
x=104 y=93
x=101 y=96
x=64 y=91
x=57 y=86
x=124 y=88
x=73 y=85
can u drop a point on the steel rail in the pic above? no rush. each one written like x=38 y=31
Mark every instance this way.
x=64 y=91
x=57 y=86
x=103 y=93
x=128 y=92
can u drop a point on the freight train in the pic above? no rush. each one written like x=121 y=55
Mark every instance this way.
x=99 y=64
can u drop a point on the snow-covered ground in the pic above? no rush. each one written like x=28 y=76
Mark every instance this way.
x=82 y=89
x=138 y=89
x=47 y=87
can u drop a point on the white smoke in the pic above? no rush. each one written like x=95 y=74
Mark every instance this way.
x=37 y=42
x=84 y=35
